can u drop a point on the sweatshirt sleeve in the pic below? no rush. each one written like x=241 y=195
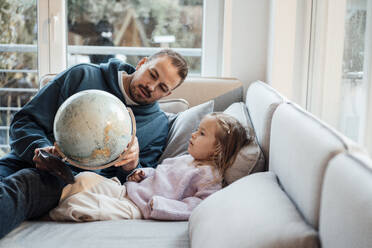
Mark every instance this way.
x=149 y=172
x=168 y=209
x=32 y=126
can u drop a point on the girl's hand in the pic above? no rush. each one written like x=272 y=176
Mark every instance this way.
x=137 y=176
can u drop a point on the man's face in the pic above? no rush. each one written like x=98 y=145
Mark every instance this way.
x=153 y=80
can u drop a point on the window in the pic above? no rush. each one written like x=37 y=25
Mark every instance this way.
x=353 y=88
x=339 y=81
x=321 y=58
x=47 y=36
x=131 y=29
x=18 y=61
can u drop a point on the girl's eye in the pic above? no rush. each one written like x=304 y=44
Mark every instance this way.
x=202 y=133
x=152 y=75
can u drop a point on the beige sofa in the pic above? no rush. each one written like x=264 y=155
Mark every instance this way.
x=317 y=190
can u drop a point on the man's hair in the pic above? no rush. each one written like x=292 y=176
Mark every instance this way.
x=176 y=59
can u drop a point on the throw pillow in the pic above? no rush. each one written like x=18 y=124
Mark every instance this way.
x=252 y=212
x=250 y=159
x=181 y=128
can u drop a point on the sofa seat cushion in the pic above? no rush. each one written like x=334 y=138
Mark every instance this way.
x=122 y=233
x=346 y=205
x=251 y=212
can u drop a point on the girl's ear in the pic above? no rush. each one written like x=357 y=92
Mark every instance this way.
x=141 y=62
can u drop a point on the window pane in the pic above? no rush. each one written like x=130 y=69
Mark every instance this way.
x=133 y=24
x=353 y=88
x=18 y=60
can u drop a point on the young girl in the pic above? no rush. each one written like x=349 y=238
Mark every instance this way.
x=169 y=192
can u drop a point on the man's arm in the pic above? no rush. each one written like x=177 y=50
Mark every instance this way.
x=32 y=126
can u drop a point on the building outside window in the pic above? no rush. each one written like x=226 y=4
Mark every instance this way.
x=124 y=27
x=353 y=86
x=18 y=61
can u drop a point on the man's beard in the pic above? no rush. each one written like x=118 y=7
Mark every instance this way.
x=138 y=98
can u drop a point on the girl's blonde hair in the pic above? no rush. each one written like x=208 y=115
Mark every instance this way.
x=230 y=136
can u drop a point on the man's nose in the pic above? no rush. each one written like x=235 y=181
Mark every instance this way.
x=151 y=86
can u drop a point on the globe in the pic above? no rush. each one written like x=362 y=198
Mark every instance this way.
x=92 y=128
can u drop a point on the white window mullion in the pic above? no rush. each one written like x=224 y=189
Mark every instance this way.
x=288 y=48
x=58 y=35
x=281 y=55
x=367 y=77
x=213 y=12
x=52 y=36
x=325 y=71
x=43 y=37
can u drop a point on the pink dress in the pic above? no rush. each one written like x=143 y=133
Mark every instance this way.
x=175 y=188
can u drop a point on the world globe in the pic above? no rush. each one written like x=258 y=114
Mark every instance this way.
x=92 y=128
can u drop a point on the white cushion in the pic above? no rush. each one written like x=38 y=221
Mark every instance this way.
x=197 y=90
x=346 y=205
x=173 y=105
x=300 y=149
x=261 y=101
x=250 y=159
x=253 y=212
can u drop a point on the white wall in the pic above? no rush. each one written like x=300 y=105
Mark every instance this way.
x=245 y=42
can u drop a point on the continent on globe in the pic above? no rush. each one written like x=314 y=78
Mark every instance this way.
x=92 y=128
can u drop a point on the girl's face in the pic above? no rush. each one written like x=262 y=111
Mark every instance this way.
x=203 y=142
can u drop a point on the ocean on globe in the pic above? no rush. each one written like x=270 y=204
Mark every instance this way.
x=92 y=128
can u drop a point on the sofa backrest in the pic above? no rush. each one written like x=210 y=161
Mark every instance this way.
x=197 y=90
x=300 y=149
x=346 y=204
x=261 y=101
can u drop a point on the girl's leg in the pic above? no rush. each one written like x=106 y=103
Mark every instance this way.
x=101 y=199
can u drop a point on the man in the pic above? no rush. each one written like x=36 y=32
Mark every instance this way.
x=27 y=189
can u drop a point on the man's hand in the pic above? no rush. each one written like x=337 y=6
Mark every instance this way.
x=40 y=164
x=137 y=176
x=48 y=159
x=130 y=160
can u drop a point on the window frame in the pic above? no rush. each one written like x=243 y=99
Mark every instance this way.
x=368 y=79
x=52 y=37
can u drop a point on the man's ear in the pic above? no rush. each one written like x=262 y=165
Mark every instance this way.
x=141 y=62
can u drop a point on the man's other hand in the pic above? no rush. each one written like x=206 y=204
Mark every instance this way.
x=39 y=163
x=130 y=160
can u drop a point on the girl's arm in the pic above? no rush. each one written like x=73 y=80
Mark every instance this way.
x=162 y=208
x=147 y=172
